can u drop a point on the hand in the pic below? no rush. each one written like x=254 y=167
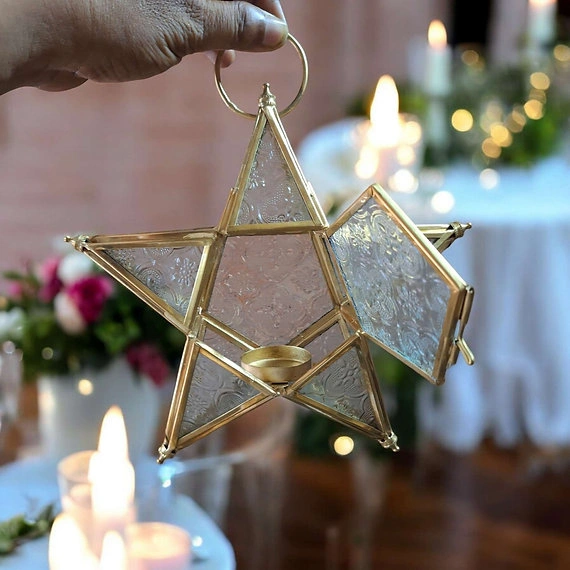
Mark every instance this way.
x=59 y=44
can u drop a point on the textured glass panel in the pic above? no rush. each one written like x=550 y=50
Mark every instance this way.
x=269 y=288
x=341 y=387
x=223 y=346
x=400 y=299
x=324 y=344
x=214 y=391
x=271 y=195
x=169 y=272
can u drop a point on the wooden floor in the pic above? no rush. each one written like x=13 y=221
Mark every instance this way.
x=491 y=510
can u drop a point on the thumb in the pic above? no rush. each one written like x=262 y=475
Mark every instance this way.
x=237 y=25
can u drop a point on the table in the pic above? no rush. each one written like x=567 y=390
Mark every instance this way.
x=33 y=482
x=517 y=256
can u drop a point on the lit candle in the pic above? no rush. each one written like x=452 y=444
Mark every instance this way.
x=68 y=549
x=158 y=546
x=113 y=553
x=437 y=79
x=437 y=86
x=541 y=22
x=112 y=478
x=392 y=140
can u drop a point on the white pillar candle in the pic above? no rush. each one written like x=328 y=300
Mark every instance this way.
x=437 y=85
x=541 y=22
x=158 y=546
x=437 y=78
x=112 y=479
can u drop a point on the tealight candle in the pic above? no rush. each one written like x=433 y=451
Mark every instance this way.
x=158 y=546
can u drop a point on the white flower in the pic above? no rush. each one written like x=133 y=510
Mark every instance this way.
x=11 y=323
x=73 y=267
x=68 y=315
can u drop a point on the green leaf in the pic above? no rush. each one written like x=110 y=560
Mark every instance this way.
x=19 y=529
x=7 y=546
x=117 y=336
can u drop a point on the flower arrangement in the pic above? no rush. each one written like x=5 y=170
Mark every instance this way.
x=66 y=315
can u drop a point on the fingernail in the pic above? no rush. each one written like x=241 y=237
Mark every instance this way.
x=275 y=32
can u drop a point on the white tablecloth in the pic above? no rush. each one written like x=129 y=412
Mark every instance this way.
x=517 y=256
x=32 y=484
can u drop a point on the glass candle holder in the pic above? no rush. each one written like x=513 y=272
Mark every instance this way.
x=75 y=489
x=158 y=546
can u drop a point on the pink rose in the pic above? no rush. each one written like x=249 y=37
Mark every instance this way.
x=50 y=283
x=147 y=359
x=89 y=295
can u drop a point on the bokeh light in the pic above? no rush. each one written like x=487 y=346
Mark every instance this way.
x=343 y=445
x=462 y=120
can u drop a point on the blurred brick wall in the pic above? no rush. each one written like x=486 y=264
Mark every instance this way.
x=163 y=153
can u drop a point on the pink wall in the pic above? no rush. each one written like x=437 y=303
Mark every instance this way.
x=163 y=153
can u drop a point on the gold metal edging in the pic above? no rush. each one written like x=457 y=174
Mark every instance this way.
x=373 y=386
x=228 y=333
x=320 y=366
x=233 y=205
x=337 y=288
x=177 y=407
x=229 y=365
x=278 y=228
x=336 y=416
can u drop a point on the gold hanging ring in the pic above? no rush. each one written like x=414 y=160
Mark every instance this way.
x=229 y=103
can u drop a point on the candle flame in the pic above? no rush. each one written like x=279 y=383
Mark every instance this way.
x=111 y=474
x=541 y=2
x=113 y=441
x=113 y=553
x=437 y=36
x=384 y=119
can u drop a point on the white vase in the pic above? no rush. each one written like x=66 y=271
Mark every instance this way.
x=70 y=411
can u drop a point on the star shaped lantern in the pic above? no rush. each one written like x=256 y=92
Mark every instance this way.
x=274 y=301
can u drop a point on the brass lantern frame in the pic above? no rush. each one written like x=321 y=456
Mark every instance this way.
x=189 y=309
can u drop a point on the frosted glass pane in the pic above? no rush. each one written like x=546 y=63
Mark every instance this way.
x=269 y=288
x=271 y=194
x=341 y=387
x=214 y=391
x=324 y=344
x=400 y=300
x=169 y=272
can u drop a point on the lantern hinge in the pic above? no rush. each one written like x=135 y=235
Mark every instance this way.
x=459 y=343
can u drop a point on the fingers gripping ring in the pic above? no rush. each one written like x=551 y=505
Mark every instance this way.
x=229 y=103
